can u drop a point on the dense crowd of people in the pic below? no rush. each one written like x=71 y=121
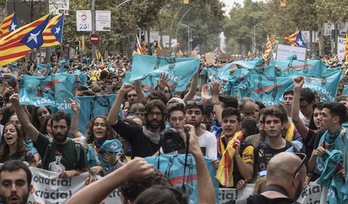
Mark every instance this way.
x=279 y=148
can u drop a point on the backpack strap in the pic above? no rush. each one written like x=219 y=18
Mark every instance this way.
x=47 y=151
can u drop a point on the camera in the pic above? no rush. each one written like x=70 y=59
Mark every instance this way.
x=171 y=140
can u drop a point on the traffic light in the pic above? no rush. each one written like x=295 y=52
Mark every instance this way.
x=77 y=45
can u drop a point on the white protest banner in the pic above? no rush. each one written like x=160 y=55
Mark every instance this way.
x=83 y=20
x=341 y=52
x=102 y=20
x=154 y=36
x=328 y=27
x=58 y=6
x=49 y=189
x=285 y=51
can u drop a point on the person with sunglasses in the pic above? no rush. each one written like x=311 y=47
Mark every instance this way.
x=207 y=140
x=285 y=180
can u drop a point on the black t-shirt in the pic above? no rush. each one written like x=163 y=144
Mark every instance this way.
x=141 y=145
x=260 y=199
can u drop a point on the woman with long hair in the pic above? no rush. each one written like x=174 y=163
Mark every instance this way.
x=12 y=146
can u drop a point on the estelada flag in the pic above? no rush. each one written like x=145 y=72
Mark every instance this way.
x=8 y=25
x=53 y=34
x=21 y=41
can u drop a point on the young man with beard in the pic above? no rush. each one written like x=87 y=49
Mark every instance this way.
x=237 y=155
x=194 y=117
x=15 y=182
x=144 y=140
x=285 y=180
x=64 y=155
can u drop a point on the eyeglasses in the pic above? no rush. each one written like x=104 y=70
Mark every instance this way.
x=303 y=158
x=193 y=103
x=158 y=114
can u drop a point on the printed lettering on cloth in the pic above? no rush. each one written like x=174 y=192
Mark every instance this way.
x=53 y=90
x=180 y=70
x=173 y=168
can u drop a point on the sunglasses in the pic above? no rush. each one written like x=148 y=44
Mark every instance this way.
x=192 y=103
x=303 y=158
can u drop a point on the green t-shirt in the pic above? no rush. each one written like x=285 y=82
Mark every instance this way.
x=61 y=157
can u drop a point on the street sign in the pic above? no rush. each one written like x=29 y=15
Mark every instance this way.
x=94 y=39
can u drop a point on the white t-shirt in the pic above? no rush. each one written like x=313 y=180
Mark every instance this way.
x=207 y=141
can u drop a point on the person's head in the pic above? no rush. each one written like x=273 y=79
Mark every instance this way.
x=167 y=92
x=228 y=101
x=15 y=182
x=46 y=126
x=343 y=100
x=258 y=107
x=132 y=96
x=155 y=115
x=168 y=195
x=332 y=116
x=231 y=119
x=288 y=97
x=274 y=120
x=315 y=124
x=208 y=114
x=249 y=126
x=307 y=99
x=60 y=124
x=39 y=114
x=261 y=123
x=288 y=170
x=194 y=113
x=247 y=107
x=137 y=109
x=14 y=119
x=99 y=130
x=157 y=95
x=176 y=115
x=138 y=120
x=132 y=189
x=12 y=136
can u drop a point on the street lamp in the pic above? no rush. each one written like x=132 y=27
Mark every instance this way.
x=254 y=43
x=188 y=36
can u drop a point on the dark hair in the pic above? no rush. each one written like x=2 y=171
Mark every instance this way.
x=109 y=135
x=60 y=115
x=260 y=104
x=35 y=118
x=4 y=148
x=195 y=104
x=229 y=111
x=249 y=126
x=342 y=98
x=274 y=111
x=157 y=95
x=132 y=189
x=176 y=107
x=15 y=165
x=156 y=104
x=43 y=128
x=288 y=92
x=229 y=101
x=168 y=195
x=336 y=109
x=307 y=95
x=282 y=109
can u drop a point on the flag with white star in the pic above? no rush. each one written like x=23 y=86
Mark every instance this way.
x=299 y=40
x=8 y=25
x=20 y=42
x=53 y=33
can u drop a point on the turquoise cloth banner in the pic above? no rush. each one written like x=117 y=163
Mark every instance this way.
x=248 y=63
x=313 y=68
x=92 y=106
x=53 y=90
x=180 y=70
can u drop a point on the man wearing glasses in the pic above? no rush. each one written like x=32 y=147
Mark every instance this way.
x=194 y=117
x=144 y=140
x=285 y=180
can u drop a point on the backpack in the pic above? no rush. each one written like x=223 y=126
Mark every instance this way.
x=77 y=147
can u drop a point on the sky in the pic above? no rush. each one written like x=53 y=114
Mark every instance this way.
x=229 y=3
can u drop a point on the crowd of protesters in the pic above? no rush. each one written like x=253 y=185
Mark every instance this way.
x=245 y=140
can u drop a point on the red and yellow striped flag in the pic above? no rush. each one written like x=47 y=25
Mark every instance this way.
x=21 y=41
x=272 y=39
x=346 y=47
x=291 y=39
x=53 y=33
x=8 y=25
x=268 y=48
